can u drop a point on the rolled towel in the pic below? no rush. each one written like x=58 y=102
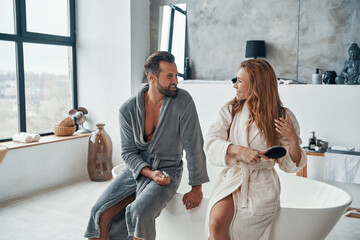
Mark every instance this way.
x=22 y=138
x=34 y=136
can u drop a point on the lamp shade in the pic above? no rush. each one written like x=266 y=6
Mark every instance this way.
x=255 y=48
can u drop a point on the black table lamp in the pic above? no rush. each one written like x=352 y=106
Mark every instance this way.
x=255 y=48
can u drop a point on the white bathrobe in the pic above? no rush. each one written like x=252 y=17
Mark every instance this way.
x=255 y=187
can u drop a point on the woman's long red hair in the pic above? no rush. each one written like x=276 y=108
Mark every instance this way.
x=263 y=101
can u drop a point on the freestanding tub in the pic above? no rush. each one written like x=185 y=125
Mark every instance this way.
x=309 y=210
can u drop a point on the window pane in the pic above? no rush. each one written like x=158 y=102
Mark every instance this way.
x=178 y=45
x=7 y=16
x=47 y=16
x=48 y=91
x=164 y=27
x=8 y=90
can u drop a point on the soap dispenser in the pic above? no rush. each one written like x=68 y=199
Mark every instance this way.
x=312 y=141
x=316 y=77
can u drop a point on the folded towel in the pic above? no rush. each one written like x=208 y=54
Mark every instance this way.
x=34 y=136
x=339 y=148
x=342 y=168
x=22 y=138
x=3 y=151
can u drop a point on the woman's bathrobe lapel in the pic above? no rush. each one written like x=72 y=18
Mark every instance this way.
x=247 y=177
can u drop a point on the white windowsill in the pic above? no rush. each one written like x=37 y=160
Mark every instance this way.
x=11 y=145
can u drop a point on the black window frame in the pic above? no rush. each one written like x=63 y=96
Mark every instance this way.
x=22 y=36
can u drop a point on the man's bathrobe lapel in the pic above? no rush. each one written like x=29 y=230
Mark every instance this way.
x=151 y=145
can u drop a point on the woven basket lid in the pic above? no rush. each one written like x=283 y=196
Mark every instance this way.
x=67 y=122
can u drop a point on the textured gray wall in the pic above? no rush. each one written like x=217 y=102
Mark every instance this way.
x=300 y=35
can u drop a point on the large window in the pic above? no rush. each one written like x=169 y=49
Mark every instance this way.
x=37 y=65
x=172 y=32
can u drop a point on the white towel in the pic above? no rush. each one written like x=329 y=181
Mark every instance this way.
x=22 y=138
x=342 y=168
x=35 y=137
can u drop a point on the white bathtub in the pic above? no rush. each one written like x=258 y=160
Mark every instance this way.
x=309 y=210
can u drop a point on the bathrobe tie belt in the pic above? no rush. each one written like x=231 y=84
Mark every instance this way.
x=246 y=170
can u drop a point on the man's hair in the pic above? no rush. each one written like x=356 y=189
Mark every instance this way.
x=152 y=63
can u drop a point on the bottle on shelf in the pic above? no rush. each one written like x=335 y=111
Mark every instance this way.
x=187 y=69
x=312 y=141
x=316 y=77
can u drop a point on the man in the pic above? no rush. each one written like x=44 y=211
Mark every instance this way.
x=155 y=127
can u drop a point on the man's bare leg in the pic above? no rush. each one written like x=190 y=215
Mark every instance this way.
x=108 y=215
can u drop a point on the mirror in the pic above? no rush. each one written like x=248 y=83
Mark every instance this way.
x=172 y=32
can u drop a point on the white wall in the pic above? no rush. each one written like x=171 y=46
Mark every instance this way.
x=331 y=111
x=30 y=169
x=103 y=62
x=112 y=44
x=140 y=42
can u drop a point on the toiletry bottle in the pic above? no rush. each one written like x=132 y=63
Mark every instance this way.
x=316 y=77
x=318 y=146
x=187 y=69
x=312 y=141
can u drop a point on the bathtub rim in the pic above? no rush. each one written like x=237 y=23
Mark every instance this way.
x=313 y=208
x=117 y=168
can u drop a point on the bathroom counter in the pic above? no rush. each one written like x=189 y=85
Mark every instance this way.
x=303 y=172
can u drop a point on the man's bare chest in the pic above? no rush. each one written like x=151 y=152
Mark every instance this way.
x=151 y=121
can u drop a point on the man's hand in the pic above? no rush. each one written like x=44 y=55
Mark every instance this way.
x=193 y=198
x=160 y=178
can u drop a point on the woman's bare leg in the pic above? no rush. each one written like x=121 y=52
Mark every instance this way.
x=108 y=215
x=220 y=218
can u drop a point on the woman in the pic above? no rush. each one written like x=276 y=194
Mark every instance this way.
x=245 y=198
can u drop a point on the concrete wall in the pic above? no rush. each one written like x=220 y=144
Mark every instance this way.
x=300 y=35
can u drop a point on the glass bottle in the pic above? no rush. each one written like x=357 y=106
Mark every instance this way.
x=99 y=155
x=312 y=141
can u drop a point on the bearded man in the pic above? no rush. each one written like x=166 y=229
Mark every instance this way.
x=155 y=127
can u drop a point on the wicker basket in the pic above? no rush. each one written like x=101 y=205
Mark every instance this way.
x=64 y=131
x=67 y=122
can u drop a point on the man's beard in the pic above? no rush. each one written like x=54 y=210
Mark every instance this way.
x=165 y=90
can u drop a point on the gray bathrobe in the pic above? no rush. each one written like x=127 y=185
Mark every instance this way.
x=178 y=129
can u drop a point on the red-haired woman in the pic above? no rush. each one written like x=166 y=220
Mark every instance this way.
x=245 y=198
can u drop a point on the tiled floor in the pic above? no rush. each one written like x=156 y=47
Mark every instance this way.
x=62 y=213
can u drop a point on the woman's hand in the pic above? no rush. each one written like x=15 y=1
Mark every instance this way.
x=247 y=155
x=286 y=129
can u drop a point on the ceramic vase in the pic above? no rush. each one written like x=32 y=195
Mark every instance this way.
x=99 y=155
